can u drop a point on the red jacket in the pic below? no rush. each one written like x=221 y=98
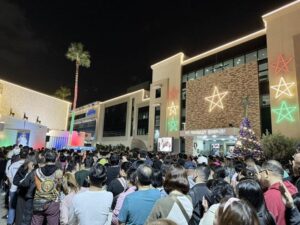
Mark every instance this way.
x=274 y=201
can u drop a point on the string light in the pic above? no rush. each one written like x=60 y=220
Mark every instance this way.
x=172 y=109
x=283 y=88
x=281 y=64
x=285 y=112
x=216 y=99
x=173 y=125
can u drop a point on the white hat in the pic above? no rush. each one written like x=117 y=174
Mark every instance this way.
x=202 y=160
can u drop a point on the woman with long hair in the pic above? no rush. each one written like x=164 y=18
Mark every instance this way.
x=250 y=191
x=70 y=188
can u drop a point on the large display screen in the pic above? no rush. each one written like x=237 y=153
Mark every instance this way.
x=165 y=144
x=115 y=120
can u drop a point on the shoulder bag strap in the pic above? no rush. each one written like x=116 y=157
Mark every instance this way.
x=186 y=216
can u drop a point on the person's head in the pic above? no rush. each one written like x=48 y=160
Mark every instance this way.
x=176 y=179
x=97 y=175
x=144 y=175
x=296 y=164
x=131 y=176
x=157 y=179
x=201 y=174
x=239 y=167
x=23 y=153
x=271 y=172
x=234 y=211
x=114 y=159
x=124 y=168
x=221 y=189
x=50 y=156
x=162 y=222
x=30 y=161
x=142 y=154
x=69 y=183
x=89 y=161
x=219 y=172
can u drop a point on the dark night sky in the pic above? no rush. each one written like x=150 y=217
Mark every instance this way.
x=124 y=38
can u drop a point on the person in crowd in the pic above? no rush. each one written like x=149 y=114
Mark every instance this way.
x=114 y=169
x=12 y=170
x=271 y=175
x=24 y=209
x=199 y=191
x=220 y=189
x=92 y=207
x=295 y=178
x=190 y=167
x=177 y=206
x=119 y=185
x=131 y=184
x=70 y=188
x=46 y=199
x=81 y=176
x=235 y=211
x=239 y=166
x=157 y=182
x=250 y=191
x=138 y=205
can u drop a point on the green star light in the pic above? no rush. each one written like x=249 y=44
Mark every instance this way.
x=285 y=112
x=173 y=125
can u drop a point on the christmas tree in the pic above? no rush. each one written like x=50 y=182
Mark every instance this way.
x=247 y=143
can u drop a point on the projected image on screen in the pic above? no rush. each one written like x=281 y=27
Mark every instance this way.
x=115 y=120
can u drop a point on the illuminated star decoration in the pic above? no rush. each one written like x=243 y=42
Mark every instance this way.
x=173 y=124
x=173 y=94
x=172 y=109
x=285 y=112
x=216 y=99
x=283 y=88
x=281 y=64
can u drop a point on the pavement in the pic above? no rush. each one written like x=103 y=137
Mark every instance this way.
x=3 y=210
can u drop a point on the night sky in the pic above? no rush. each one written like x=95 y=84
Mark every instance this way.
x=123 y=37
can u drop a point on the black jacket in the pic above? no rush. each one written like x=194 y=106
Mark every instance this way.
x=197 y=193
x=25 y=183
x=292 y=216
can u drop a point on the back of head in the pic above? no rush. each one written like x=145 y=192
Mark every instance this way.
x=221 y=189
x=203 y=172
x=220 y=172
x=143 y=154
x=50 y=156
x=69 y=183
x=236 y=212
x=144 y=174
x=157 y=179
x=162 y=222
x=97 y=175
x=23 y=153
x=89 y=161
x=176 y=179
x=273 y=166
x=114 y=159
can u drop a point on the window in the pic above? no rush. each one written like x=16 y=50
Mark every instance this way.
x=143 y=119
x=184 y=78
x=218 y=67
x=228 y=64
x=263 y=66
x=251 y=57
x=262 y=54
x=183 y=94
x=199 y=73
x=192 y=76
x=239 y=60
x=208 y=70
x=158 y=93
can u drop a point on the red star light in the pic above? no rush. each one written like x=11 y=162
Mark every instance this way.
x=173 y=94
x=281 y=65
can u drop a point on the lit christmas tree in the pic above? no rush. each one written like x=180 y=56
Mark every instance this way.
x=247 y=143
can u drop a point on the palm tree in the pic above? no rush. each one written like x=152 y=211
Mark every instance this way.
x=63 y=92
x=82 y=58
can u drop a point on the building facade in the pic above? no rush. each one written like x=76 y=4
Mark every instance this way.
x=200 y=101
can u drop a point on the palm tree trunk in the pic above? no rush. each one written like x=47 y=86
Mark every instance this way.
x=74 y=104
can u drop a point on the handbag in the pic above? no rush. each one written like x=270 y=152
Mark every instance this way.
x=40 y=205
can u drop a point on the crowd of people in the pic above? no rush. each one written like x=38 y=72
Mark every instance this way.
x=136 y=187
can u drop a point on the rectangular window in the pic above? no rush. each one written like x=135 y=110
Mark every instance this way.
x=199 y=73
x=158 y=93
x=228 y=64
x=183 y=94
x=251 y=57
x=143 y=120
x=184 y=78
x=218 y=67
x=239 y=60
x=192 y=76
x=263 y=66
x=262 y=54
x=208 y=70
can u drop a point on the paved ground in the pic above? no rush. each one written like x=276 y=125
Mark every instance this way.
x=2 y=209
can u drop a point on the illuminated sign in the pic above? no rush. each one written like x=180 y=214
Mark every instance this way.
x=216 y=99
x=284 y=112
x=283 y=88
x=281 y=64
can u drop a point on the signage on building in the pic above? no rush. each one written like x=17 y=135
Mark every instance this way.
x=218 y=131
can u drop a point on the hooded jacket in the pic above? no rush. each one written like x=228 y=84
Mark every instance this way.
x=274 y=201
